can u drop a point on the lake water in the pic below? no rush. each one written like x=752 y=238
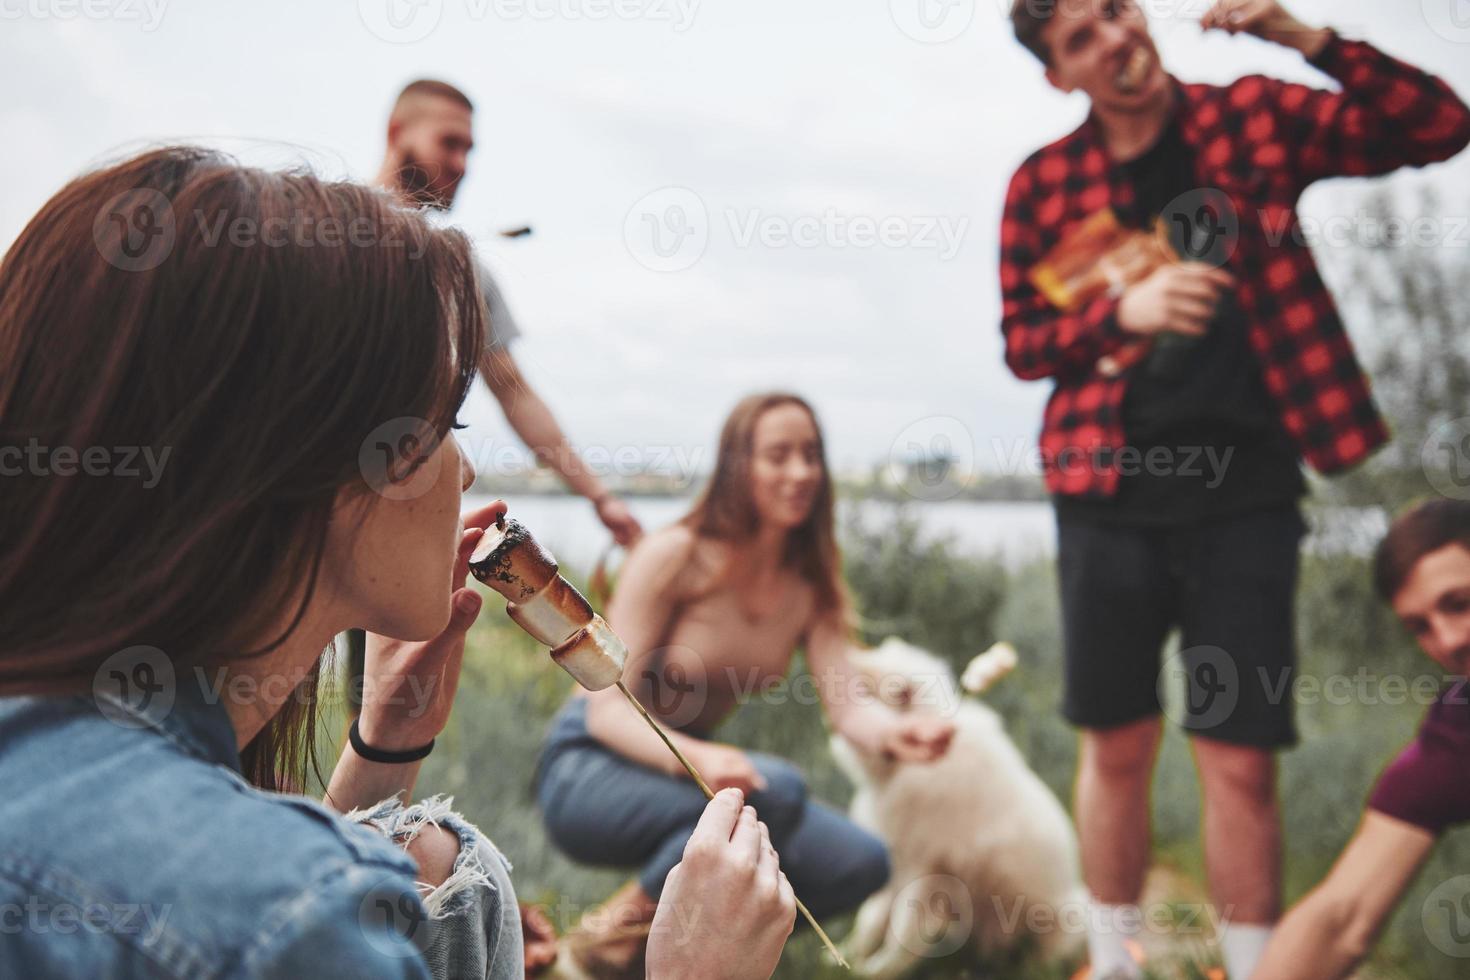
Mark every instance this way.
x=1016 y=532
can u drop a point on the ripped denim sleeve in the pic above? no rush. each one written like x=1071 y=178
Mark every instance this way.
x=474 y=926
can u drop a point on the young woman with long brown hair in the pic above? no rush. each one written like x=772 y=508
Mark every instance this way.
x=290 y=355
x=713 y=609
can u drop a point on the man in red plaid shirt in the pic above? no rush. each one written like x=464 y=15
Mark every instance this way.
x=1182 y=406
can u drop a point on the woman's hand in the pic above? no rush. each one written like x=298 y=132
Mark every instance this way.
x=408 y=691
x=618 y=519
x=726 y=908
x=916 y=738
x=726 y=767
x=538 y=939
x=408 y=688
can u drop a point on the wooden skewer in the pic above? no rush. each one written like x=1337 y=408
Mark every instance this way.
x=709 y=795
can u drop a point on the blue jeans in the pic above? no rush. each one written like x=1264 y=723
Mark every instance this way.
x=602 y=809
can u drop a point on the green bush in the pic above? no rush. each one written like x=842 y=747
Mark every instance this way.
x=921 y=589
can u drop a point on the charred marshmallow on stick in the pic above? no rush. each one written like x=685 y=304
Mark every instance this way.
x=547 y=606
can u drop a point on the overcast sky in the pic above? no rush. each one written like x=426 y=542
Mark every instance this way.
x=824 y=176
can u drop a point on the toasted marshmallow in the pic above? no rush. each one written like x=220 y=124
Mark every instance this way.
x=594 y=656
x=512 y=562
x=554 y=614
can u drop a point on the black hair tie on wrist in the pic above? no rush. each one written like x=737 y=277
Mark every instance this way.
x=382 y=755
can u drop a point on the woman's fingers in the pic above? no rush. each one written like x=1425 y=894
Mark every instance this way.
x=718 y=821
x=467 y=606
x=467 y=542
x=671 y=877
x=747 y=836
x=446 y=649
x=491 y=513
x=787 y=897
x=768 y=865
x=475 y=522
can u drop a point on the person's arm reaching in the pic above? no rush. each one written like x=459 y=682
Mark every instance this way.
x=532 y=420
x=857 y=715
x=1328 y=933
x=1388 y=115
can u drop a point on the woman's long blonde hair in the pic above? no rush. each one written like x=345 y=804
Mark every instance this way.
x=726 y=509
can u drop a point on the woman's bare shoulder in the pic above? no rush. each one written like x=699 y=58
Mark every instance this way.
x=662 y=560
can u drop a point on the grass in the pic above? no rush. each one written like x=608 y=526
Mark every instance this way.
x=957 y=604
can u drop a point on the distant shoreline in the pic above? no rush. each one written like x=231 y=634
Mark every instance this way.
x=991 y=490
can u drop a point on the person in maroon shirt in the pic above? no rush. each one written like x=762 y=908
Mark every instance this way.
x=1423 y=569
x=1248 y=365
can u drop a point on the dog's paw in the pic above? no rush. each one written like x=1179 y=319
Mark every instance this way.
x=989 y=667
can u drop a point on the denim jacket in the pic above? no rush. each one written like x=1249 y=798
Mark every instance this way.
x=132 y=847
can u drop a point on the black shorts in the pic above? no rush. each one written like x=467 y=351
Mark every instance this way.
x=1228 y=584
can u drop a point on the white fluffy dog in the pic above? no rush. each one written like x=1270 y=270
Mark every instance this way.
x=982 y=852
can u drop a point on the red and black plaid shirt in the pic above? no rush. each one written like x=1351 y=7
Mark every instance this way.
x=1261 y=142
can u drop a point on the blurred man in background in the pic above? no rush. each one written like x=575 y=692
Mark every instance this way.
x=1183 y=403
x=430 y=135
